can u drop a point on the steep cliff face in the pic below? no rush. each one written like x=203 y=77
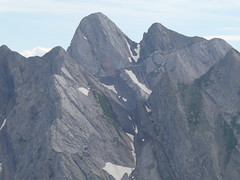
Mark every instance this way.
x=109 y=108
x=6 y=89
x=159 y=38
x=187 y=58
x=194 y=125
x=61 y=123
x=221 y=95
x=100 y=46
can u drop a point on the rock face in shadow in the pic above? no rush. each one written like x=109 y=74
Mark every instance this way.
x=110 y=108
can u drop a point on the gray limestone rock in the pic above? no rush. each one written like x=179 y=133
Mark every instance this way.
x=187 y=58
x=109 y=108
x=100 y=46
x=196 y=125
x=60 y=126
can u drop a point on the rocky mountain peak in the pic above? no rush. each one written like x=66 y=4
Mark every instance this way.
x=3 y=47
x=163 y=49
x=109 y=108
x=4 y=50
x=158 y=27
x=100 y=46
x=56 y=51
x=97 y=19
x=160 y=38
x=99 y=28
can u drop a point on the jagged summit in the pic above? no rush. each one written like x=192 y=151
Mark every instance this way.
x=163 y=39
x=97 y=23
x=56 y=50
x=100 y=46
x=164 y=49
x=100 y=17
x=159 y=28
x=113 y=109
x=4 y=49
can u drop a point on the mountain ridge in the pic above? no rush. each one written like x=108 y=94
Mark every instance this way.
x=110 y=108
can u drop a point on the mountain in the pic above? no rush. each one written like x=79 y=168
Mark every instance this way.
x=100 y=46
x=196 y=125
x=110 y=108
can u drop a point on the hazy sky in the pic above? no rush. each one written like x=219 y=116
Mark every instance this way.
x=28 y=24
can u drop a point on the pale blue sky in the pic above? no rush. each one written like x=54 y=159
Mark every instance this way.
x=26 y=24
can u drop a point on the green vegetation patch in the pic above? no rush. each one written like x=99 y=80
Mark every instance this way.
x=107 y=110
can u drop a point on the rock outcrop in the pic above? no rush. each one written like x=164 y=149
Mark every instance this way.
x=110 y=108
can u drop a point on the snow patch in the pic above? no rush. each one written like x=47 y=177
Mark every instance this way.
x=124 y=99
x=135 y=80
x=110 y=87
x=84 y=90
x=147 y=109
x=136 y=129
x=133 y=148
x=117 y=171
x=130 y=59
x=137 y=50
x=131 y=137
x=65 y=71
x=3 y=124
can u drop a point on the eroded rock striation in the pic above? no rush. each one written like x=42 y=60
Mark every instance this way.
x=109 y=108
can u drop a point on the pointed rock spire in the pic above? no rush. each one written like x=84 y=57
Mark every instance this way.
x=100 y=46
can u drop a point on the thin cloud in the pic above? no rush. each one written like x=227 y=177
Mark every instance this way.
x=225 y=37
x=141 y=9
x=172 y=13
x=64 y=6
x=37 y=51
x=230 y=29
